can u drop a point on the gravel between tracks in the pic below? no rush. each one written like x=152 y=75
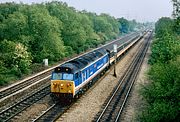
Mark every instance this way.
x=86 y=108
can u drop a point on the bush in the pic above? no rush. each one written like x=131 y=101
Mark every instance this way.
x=162 y=94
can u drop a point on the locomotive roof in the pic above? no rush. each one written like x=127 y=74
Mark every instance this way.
x=81 y=62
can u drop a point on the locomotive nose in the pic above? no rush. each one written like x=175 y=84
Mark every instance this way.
x=62 y=87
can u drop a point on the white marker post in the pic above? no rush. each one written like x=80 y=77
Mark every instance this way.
x=45 y=62
x=115 y=56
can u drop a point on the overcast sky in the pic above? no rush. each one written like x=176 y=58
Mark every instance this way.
x=141 y=10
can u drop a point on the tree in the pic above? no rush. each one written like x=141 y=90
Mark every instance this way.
x=176 y=8
x=165 y=48
x=176 y=15
x=15 y=57
x=164 y=24
x=124 y=25
x=6 y=9
x=132 y=25
x=46 y=31
x=21 y=58
x=15 y=26
x=73 y=33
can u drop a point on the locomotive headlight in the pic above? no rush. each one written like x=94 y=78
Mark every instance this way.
x=54 y=85
x=68 y=84
x=61 y=85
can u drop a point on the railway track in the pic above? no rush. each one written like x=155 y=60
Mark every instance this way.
x=24 y=103
x=24 y=84
x=53 y=112
x=114 y=105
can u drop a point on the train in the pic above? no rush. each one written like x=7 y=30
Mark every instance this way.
x=69 y=79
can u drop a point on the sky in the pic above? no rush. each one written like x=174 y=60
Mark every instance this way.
x=141 y=10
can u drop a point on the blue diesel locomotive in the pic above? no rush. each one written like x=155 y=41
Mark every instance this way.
x=69 y=78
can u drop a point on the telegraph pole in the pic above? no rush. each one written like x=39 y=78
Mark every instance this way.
x=115 y=56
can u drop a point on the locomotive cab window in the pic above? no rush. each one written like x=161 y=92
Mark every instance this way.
x=67 y=76
x=62 y=76
x=56 y=76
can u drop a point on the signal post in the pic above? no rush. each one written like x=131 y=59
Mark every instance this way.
x=115 y=56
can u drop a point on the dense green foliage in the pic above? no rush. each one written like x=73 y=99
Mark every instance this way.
x=31 y=33
x=15 y=60
x=163 y=93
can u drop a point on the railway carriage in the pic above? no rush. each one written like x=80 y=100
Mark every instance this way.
x=69 y=78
